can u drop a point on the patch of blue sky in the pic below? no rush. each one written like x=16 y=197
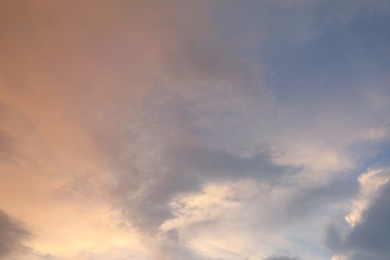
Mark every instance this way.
x=334 y=62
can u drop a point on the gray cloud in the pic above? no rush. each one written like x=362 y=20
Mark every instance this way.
x=12 y=235
x=205 y=126
x=186 y=170
x=373 y=233
x=370 y=238
x=212 y=164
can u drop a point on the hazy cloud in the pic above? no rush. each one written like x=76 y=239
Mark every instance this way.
x=280 y=258
x=194 y=130
x=12 y=236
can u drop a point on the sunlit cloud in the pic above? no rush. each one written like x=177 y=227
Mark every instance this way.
x=179 y=130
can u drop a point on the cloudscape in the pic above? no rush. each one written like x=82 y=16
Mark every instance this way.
x=195 y=130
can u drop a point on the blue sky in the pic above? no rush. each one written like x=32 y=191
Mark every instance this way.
x=195 y=130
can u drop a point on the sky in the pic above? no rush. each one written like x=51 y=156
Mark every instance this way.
x=195 y=130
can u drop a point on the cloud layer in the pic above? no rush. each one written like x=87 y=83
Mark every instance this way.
x=208 y=130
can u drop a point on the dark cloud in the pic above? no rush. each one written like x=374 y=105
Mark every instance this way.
x=370 y=238
x=214 y=164
x=333 y=239
x=186 y=169
x=304 y=201
x=12 y=235
x=373 y=233
x=175 y=250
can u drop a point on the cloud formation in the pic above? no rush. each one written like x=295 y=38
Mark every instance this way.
x=367 y=236
x=177 y=130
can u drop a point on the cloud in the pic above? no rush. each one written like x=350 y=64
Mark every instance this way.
x=187 y=170
x=280 y=258
x=79 y=144
x=367 y=235
x=176 y=130
x=12 y=236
